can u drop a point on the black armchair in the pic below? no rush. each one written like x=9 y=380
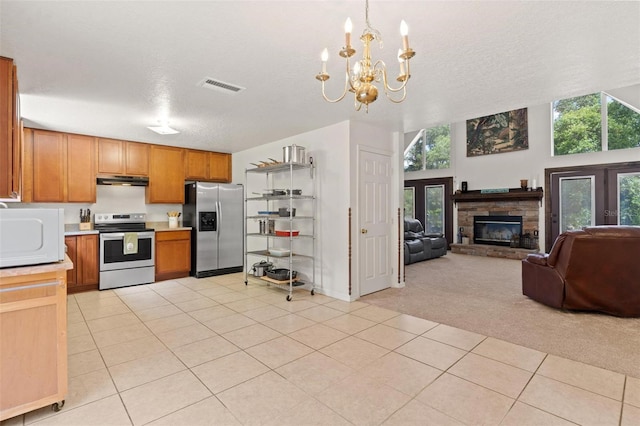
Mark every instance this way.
x=419 y=245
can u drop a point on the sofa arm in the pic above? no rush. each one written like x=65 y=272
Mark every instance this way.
x=542 y=284
x=538 y=258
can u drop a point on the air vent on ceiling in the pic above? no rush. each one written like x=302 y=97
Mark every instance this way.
x=212 y=83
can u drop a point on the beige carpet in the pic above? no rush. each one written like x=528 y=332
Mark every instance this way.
x=484 y=295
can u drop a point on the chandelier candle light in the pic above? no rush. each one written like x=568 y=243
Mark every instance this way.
x=361 y=78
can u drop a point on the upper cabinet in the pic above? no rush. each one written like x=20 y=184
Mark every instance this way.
x=196 y=164
x=220 y=167
x=166 y=175
x=10 y=131
x=58 y=167
x=117 y=157
x=48 y=155
x=207 y=166
x=81 y=170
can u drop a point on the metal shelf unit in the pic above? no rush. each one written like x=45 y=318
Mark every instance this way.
x=288 y=174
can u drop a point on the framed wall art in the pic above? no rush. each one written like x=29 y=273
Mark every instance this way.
x=497 y=133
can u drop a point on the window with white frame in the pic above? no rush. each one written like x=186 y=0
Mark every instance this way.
x=593 y=123
x=429 y=149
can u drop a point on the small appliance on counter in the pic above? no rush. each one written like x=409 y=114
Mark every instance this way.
x=31 y=236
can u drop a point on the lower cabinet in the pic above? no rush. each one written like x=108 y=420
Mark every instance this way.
x=33 y=340
x=173 y=254
x=83 y=250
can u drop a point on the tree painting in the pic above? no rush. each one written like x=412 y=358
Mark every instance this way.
x=493 y=134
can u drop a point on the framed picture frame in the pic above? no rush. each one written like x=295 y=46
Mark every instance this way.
x=498 y=133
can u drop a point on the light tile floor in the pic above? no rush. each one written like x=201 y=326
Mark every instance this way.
x=216 y=352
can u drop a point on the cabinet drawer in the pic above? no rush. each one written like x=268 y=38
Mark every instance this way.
x=172 y=235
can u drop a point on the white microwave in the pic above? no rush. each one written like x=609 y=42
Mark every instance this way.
x=31 y=236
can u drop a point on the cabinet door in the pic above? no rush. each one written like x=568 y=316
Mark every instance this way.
x=111 y=156
x=87 y=254
x=137 y=159
x=72 y=250
x=49 y=166
x=17 y=137
x=81 y=175
x=220 y=167
x=33 y=342
x=196 y=164
x=166 y=175
x=173 y=254
x=10 y=133
x=6 y=157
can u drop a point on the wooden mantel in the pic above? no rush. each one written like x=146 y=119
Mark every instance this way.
x=514 y=194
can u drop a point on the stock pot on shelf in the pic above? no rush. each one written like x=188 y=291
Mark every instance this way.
x=293 y=154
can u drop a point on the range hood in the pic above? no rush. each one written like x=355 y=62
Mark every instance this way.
x=123 y=180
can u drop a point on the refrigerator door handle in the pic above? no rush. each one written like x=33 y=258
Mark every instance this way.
x=219 y=208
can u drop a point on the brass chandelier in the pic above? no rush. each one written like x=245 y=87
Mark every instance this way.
x=360 y=78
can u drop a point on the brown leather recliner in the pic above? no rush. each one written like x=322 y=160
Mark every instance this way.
x=594 y=269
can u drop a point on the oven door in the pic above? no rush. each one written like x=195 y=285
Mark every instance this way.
x=112 y=255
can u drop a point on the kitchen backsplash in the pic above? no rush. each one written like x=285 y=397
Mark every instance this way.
x=111 y=199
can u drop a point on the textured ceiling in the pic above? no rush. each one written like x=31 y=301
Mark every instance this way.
x=111 y=68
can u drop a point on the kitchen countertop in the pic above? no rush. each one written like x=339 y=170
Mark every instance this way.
x=164 y=226
x=37 y=269
x=71 y=229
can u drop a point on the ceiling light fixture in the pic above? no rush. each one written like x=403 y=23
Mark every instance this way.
x=163 y=128
x=361 y=78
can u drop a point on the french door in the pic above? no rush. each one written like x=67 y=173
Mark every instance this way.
x=429 y=201
x=434 y=208
x=592 y=195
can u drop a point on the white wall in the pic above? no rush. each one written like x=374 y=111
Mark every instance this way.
x=506 y=169
x=334 y=150
x=329 y=147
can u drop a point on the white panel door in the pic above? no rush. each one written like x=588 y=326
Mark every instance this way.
x=374 y=222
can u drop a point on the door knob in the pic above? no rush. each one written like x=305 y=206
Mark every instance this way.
x=363 y=231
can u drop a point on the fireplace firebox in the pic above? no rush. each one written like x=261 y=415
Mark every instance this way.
x=497 y=230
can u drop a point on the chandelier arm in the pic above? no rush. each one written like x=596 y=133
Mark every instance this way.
x=344 y=91
x=382 y=68
x=397 y=101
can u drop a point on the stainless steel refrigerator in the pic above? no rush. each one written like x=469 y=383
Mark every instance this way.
x=215 y=213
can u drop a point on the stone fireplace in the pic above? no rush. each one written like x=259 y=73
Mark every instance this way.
x=523 y=205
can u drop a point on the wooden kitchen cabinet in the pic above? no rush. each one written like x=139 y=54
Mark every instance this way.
x=81 y=171
x=136 y=159
x=49 y=165
x=220 y=167
x=10 y=130
x=196 y=164
x=173 y=254
x=58 y=167
x=207 y=166
x=117 y=157
x=83 y=250
x=166 y=175
x=33 y=338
